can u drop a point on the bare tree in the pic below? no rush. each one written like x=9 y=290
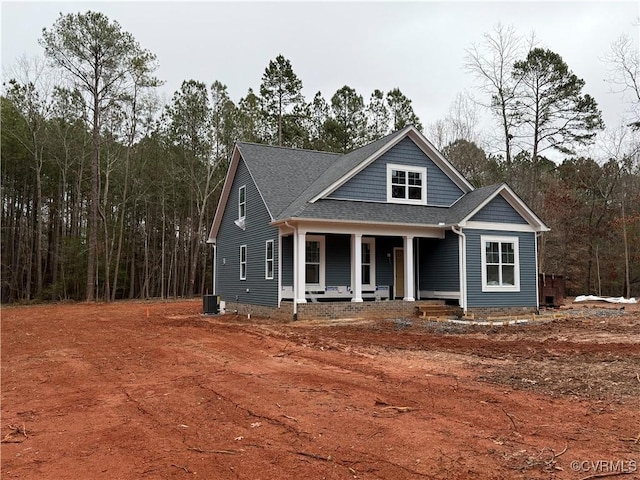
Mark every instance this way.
x=31 y=90
x=491 y=62
x=624 y=74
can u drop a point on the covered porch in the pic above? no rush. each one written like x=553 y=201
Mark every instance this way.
x=334 y=262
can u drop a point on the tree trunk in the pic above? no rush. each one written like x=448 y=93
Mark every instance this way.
x=95 y=198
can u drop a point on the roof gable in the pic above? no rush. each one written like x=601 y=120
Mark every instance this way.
x=352 y=163
x=280 y=175
x=371 y=183
x=474 y=206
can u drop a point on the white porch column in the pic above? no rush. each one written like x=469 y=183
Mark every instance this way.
x=356 y=263
x=408 y=269
x=299 y=274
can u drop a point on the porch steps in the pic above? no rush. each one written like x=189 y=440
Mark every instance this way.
x=433 y=310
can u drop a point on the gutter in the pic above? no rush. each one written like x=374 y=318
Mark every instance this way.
x=463 y=266
x=295 y=284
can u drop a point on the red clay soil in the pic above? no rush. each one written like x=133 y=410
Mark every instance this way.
x=146 y=390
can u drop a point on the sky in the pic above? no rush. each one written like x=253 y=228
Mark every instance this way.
x=418 y=47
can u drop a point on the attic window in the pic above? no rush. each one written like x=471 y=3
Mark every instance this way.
x=242 y=202
x=406 y=184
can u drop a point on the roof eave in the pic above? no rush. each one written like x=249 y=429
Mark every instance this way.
x=516 y=202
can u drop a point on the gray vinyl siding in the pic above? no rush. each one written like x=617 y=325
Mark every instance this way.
x=337 y=270
x=255 y=290
x=526 y=297
x=338 y=260
x=287 y=261
x=439 y=263
x=498 y=210
x=371 y=183
x=384 y=260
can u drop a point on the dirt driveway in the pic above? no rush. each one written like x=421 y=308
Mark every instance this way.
x=146 y=390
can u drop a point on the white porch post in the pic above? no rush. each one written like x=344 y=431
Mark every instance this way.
x=408 y=269
x=299 y=277
x=356 y=263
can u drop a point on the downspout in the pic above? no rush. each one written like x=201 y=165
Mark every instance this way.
x=416 y=287
x=215 y=269
x=279 y=267
x=463 y=267
x=538 y=235
x=295 y=286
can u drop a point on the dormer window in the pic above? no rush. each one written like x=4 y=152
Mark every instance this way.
x=406 y=184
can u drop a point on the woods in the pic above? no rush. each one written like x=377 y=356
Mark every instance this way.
x=107 y=193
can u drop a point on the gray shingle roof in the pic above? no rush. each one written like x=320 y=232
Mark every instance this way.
x=375 y=212
x=341 y=167
x=289 y=178
x=469 y=202
x=282 y=174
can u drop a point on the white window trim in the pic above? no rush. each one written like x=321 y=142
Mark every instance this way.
x=407 y=169
x=243 y=247
x=372 y=248
x=267 y=260
x=243 y=188
x=321 y=240
x=516 y=258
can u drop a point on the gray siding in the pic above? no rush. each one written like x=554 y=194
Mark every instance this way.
x=526 y=297
x=498 y=210
x=384 y=260
x=337 y=260
x=439 y=263
x=371 y=183
x=287 y=261
x=230 y=237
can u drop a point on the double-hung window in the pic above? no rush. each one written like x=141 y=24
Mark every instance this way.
x=242 y=202
x=314 y=261
x=243 y=262
x=268 y=260
x=368 y=263
x=406 y=184
x=500 y=264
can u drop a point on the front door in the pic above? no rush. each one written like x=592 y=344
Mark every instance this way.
x=398 y=273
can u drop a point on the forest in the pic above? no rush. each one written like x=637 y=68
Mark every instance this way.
x=107 y=193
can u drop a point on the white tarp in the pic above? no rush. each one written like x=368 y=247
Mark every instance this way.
x=593 y=298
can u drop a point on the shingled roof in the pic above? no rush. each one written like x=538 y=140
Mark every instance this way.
x=282 y=174
x=294 y=184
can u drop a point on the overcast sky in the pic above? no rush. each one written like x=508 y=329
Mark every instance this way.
x=418 y=47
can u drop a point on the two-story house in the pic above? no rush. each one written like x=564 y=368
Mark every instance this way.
x=301 y=233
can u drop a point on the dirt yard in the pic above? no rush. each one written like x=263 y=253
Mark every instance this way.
x=146 y=390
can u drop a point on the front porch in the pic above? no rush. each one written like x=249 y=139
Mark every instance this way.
x=371 y=266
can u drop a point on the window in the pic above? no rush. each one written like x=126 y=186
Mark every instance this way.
x=314 y=261
x=268 y=260
x=368 y=262
x=406 y=184
x=242 y=202
x=243 y=262
x=500 y=264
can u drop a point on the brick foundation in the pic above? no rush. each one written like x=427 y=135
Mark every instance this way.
x=338 y=310
x=328 y=310
x=486 y=312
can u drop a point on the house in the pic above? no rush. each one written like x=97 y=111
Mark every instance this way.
x=312 y=234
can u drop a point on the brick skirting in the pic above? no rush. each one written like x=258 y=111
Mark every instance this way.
x=337 y=310
x=327 y=310
x=486 y=312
